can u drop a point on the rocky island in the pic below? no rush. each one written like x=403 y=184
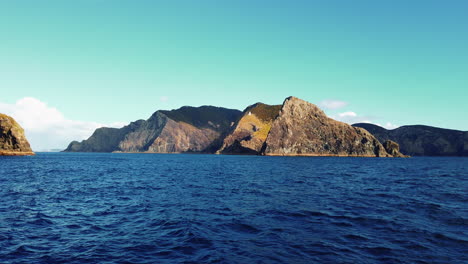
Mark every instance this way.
x=295 y=128
x=13 y=142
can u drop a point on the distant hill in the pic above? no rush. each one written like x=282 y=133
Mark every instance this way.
x=419 y=140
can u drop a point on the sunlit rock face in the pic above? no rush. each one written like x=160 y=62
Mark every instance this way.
x=250 y=132
x=188 y=129
x=12 y=139
x=301 y=128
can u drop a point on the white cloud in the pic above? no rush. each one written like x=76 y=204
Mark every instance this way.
x=353 y=118
x=46 y=127
x=347 y=114
x=164 y=99
x=332 y=104
x=389 y=125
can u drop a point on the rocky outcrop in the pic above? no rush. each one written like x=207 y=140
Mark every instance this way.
x=421 y=140
x=393 y=149
x=299 y=128
x=251 y=130
x=12 y=139
x=302 y=129
x=188 y=129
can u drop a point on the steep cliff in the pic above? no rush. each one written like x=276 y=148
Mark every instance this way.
x=301 y=128
x=188 y=129
x=251 y=130
x=295 y=128
x=13 y=142
x=421 y=140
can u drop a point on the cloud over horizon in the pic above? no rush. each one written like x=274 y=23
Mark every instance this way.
x=46 y=127
x=351 y=117
x=332 y=104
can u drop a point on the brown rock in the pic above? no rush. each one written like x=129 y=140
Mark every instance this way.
x=187 y=129
x=393 y=149
x=178 y=137
x=12 y=139
x=251 y=130
x=302 y=129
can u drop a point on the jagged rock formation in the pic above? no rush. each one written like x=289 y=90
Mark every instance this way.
x=421 y=140
x=12 y=139
x=188 y=129
x=251 y=130
x=301 y=128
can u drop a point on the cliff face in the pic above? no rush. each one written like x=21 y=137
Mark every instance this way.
x=301 y=128
x=423 y=140
x=251 y=130
x=188 y=129
x=12 y=139
x=295 y=128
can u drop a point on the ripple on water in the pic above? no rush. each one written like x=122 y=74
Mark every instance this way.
x=108 y=208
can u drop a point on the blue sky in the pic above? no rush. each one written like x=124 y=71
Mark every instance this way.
x=90 y=63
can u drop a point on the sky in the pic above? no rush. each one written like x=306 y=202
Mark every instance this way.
x=68 y=67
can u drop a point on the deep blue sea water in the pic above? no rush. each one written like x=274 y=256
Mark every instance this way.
x=150 y=208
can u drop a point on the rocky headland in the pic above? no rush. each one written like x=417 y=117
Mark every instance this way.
x=188 y=129
x=295 y=128
x=302 y=129
x=13 y=142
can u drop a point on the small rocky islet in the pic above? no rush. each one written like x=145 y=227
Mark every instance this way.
x=295 y=128
x=13 y=142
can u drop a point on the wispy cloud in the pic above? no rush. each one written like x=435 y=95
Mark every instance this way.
x=332 y=104
x=164 y=99
x=46 y=127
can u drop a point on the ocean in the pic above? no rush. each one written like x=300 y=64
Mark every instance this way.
x=182 y=208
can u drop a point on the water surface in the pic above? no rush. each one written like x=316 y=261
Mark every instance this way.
x=150 y=208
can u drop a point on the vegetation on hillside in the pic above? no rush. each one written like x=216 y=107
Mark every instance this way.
x=265 y=112
x=205 y=116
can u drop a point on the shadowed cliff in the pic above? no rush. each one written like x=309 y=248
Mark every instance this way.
x=421 y=140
